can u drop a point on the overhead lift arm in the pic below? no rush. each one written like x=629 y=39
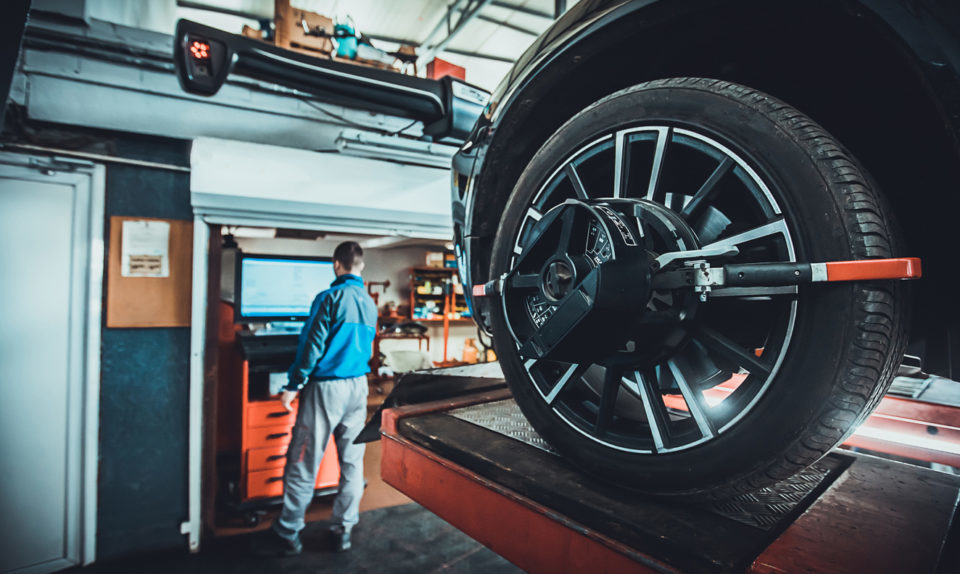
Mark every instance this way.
x=206 y=56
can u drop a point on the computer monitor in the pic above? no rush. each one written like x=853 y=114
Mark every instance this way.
x=278 y=288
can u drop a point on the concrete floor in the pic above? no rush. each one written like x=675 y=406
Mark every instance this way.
x=395 y=540
x=378 y=494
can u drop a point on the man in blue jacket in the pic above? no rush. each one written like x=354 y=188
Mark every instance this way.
x=329 y=374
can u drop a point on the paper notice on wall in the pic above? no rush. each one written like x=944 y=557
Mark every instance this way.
x=145 y=249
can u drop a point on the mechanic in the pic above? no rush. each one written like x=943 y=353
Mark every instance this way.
x=329 y=373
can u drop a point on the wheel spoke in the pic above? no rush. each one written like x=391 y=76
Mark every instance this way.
x=608 y=399
x=732 y=351
x=574 y=371
x=657 y=417
x=663 y=138
x=575 y=181
x=705 y=193
x=775 y=227
x=620 y=166
x=695 y=402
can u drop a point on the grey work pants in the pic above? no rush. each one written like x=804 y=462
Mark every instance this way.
x=337 y=407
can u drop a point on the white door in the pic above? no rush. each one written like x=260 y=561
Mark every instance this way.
x=45 y=280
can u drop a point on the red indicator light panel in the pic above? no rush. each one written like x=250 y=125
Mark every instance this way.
x=200 y=50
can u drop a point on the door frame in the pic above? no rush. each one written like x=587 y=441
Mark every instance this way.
x=83 y=444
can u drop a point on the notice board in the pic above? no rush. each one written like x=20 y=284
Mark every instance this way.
x=149 y=278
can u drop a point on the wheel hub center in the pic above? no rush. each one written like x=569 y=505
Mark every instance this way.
x=582 y=285
x=558 y=279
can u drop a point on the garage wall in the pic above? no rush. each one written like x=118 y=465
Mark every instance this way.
x=145 y=378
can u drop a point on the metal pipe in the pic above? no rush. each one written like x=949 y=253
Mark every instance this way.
x=224 y=10
x=94 y=156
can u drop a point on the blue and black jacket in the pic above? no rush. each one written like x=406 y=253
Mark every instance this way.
x=337 y=340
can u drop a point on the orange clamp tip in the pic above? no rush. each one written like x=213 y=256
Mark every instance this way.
x=867 y=269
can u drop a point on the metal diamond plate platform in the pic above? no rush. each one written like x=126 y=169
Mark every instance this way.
x=503 y=417
x=764 y=509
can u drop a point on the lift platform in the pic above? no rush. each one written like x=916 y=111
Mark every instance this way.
x=475 y=461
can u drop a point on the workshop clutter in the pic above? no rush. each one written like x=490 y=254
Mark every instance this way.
x=321 y=36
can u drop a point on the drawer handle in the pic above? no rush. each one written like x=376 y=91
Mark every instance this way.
x=274 y=479
x=276 y=457
x=278 y=414
x=277 y=435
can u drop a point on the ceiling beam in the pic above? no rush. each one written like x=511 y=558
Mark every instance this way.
x=523 y=10
x=479 y=55
x=470 y=11
x=444 y=22
x=508 y=25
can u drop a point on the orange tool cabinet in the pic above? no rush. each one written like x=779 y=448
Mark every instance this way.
x=253 y=428
x=267 y=429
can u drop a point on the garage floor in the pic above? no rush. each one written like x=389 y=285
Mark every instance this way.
x=399 y=539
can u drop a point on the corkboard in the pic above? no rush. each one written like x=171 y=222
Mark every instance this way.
x=151 y=301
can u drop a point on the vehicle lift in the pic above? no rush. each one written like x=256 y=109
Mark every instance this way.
x=471 y=458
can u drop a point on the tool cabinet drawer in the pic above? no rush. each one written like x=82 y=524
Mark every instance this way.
x=267 y=436
x=269 y=413
x=268 y=483
x=265 y=483
x=264 y=458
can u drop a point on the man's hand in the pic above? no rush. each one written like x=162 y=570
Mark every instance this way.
x=286 y=399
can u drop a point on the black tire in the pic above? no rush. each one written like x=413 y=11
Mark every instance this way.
x=848 y=338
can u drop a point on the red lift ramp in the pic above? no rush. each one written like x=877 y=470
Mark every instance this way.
x=475 y=462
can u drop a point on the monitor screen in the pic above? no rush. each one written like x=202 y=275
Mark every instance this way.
x=278 y=288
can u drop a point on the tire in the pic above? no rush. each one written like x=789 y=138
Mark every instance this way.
x=840 y=343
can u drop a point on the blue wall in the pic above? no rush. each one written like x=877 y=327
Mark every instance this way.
x=145 y=379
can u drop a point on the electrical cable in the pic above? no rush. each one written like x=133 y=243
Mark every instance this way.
x=338 y=117
x=408 y=126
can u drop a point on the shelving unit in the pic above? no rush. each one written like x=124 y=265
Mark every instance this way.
x=436 y=296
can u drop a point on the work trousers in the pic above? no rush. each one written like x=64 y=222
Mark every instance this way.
x=337 y=407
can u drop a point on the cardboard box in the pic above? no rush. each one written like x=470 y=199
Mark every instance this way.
x=434 y=259
x=289 y=30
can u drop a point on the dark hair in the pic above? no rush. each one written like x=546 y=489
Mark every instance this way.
x=349 y=254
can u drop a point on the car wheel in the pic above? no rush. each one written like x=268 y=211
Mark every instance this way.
x=669 y=391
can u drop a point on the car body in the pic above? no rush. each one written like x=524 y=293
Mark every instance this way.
x=882 y=76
